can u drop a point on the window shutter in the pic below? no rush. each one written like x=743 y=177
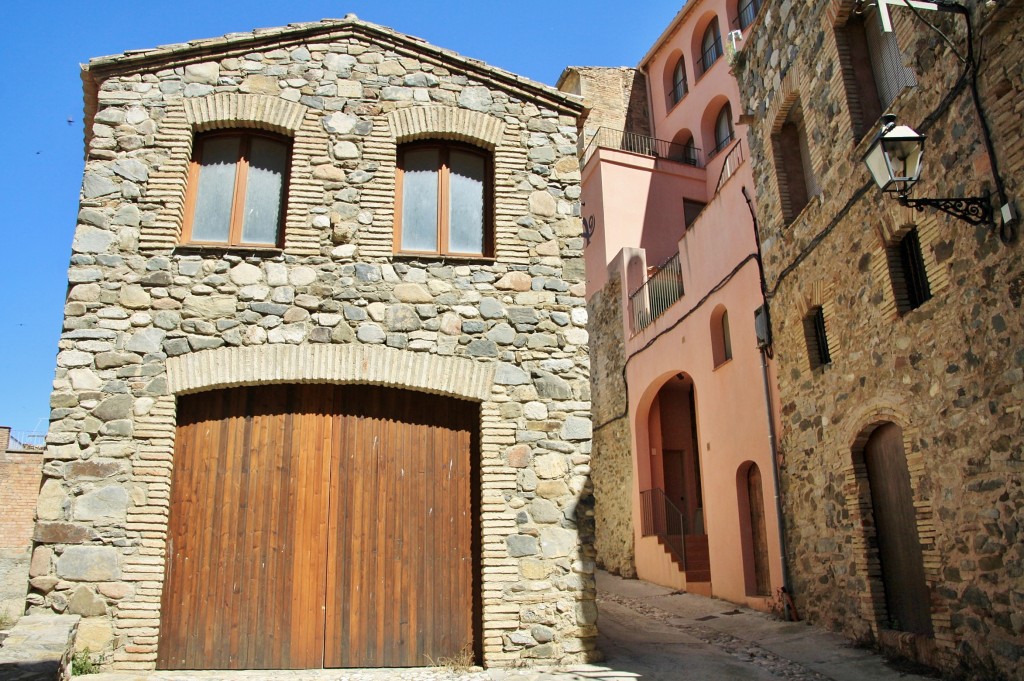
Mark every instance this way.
x=891 y=76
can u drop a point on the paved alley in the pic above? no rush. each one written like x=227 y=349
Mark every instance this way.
x=650 y=634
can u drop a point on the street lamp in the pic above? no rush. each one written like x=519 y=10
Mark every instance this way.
x=894 y=160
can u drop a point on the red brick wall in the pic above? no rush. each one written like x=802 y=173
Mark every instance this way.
x=20 y=474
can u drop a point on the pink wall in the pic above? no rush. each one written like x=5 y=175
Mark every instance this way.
x=637 y=204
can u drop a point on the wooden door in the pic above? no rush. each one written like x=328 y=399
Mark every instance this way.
x=758 y=532
x=899 y=547
x=402 y=595
x=317 y=525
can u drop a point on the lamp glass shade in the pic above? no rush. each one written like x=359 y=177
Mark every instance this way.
x=894 y=159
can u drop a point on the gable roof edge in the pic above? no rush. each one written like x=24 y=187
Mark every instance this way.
x=101 y=68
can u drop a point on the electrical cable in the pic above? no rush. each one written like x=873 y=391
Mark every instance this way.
x=689 y=313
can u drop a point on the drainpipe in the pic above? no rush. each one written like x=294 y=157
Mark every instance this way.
x=787 y=602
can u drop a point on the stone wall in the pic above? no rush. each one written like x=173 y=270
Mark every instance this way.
x=948 y=373
x=616 y=97
x=147 y=319
x=612 y=458
x=20 y=473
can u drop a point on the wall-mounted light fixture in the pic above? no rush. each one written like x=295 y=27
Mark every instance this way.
x=894 y=160
x=895 y=155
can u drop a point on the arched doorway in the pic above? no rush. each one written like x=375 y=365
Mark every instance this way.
x=907 y=599
x=673 y=508
x=753 y=530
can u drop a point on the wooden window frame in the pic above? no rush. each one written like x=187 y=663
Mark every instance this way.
x=234 y=239
x=443 y=199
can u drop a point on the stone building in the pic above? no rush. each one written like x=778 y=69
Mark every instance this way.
x=322 y=393
x=897 y=332
x=683 y=464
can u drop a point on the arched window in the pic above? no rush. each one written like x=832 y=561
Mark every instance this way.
x=711 y=46
x=724 y=132
x=691 y=154
x=747 y=12
x=236 y=189
x=684 y=149
x=721 y=340
x=445 y=200
x=679 y=85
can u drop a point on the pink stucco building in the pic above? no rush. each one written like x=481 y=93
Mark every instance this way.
x=684 y=434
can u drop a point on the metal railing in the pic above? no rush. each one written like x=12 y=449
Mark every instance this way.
x=659 y=517
x=710 y=56
x=642 y=144
x=747 y=13
x=679 y=90
x=26 y=440
x=733 y=161
x=722 y=145
x=664 y=286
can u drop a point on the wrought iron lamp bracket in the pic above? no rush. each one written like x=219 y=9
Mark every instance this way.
x=973 y=210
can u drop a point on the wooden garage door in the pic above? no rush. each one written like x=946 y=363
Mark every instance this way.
x=317 y=525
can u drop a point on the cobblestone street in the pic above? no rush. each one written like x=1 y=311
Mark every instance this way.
x=647 y=633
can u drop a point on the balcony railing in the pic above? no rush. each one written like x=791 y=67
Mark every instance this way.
x=26 y=440
x=659 y=517
x=721 y=146
x=679 y=90
x=747 y=14
x=655 y=296
x=641 y=144
x=710 y=56
x=733 y=160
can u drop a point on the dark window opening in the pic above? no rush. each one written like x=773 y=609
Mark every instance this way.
x=817 y=338
x=691 y=211
x=909 y=277
x=793 y=170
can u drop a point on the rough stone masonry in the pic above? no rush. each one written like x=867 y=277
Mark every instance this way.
x=149 y=318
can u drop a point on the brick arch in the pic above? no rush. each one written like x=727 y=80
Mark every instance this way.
x=501 y=138
x=446 y=122
x=857 y=493
x=230 y=110
x=375 y=365
x=167 y=185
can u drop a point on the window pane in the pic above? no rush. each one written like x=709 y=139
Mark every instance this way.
x=268 y=161
x=466 y=213
x=419 y=200
x=723 y=130
x=212 y=218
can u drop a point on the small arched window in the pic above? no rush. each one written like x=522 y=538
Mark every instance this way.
x=711 y=46
x=721 y=339
x=236 y=189
x=444 y=194
x=679 y=85
x=724 y=132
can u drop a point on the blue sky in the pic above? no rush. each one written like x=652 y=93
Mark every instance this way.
x=41 y=116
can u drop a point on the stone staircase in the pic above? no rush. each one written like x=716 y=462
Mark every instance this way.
x=698 y=560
